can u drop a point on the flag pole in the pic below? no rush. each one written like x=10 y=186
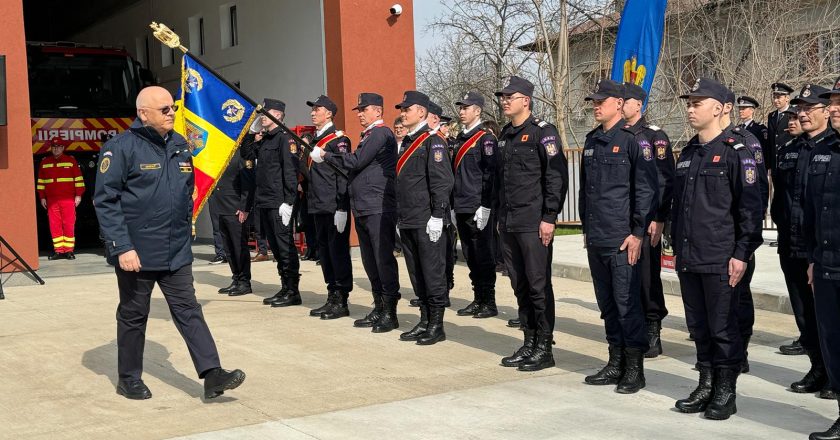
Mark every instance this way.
x=171 y=39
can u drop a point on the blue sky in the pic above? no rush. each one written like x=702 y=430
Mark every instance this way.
x=424 y=13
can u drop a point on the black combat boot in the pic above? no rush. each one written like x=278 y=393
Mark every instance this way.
x=816 y=377
x=388 y=318
x=722 y=404
x=229 y=288
x=218 y=380
x=373 y=316
x=242 y=288
x=700 y=397
x=612 y=372
x=420 y=328
x=472 y=307
x=522 y=352
x=827 y=393
x=541 y=356
x=633 y=378
x=795 y=348
x=331 y=299
x=414 y=302
x=293 y=297
x=284 y=290
x=833 y=432
x=434 y=332
x=654 y=340
x=745 y=366
x=487 y=309
x=338 y=309
x=514 y=323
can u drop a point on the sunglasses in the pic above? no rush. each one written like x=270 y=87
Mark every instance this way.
x=165 y=110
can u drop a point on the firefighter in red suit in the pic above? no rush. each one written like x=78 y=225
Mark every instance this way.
x=60 y=188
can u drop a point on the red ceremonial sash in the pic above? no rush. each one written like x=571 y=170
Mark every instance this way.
x=411 y=149
x=321 y=144
x=467 y=147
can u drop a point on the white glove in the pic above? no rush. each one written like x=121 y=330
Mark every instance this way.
x=481 y=217
x=285 y=213
x=316 y=155
x=434 y=228
x=452 y=217
x=340 y=221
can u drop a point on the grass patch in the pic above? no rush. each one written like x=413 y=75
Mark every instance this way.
x=568 y=230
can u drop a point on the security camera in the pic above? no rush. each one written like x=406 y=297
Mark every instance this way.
x=396 y=9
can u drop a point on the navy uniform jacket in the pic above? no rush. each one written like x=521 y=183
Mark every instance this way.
x=533 y=176
x=648 y=135
x=372 y=171
x=277 y=165
x=717 y=206
x=143 y=198
x=748 y=139
x=777 y=135
x=789 y=185
x=424 y=184
x=618 y=186
x=762 y=134
x=822 y=207
x=476 y=173
x=327 y=191
x=234 y=190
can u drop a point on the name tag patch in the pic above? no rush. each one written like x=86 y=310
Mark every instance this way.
x=683 y=164
x=588 y=153
x=149 y=166
x=821 y=158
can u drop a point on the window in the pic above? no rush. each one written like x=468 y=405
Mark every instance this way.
x=229 y=26
x=201 y=34
x=197 y=35
x=167 y=55
x=234 y=39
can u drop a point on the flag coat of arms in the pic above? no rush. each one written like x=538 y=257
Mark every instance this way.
x=638 y=42
x=213 y=117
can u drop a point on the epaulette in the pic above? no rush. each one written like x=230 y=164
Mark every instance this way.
x=540 y=123
x=653 y=127
x=339 y=133
x=733 y=143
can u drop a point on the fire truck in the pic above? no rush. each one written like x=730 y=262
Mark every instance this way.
x=83 y=95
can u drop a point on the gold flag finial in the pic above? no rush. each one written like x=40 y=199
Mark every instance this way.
x=167 y=36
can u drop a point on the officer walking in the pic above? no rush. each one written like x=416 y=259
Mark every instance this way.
x=533 y=179
x=618 y=196
x=143 y=201
x=424 y=186
x=650 y=259
x=231 y=203
x=372 y=168
x=777 y=136
x=474 y=165
x=716 y=227
x=329 y=203
x=816 y=106
x=276 y=194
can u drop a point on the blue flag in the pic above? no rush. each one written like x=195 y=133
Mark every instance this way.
x=638 y=43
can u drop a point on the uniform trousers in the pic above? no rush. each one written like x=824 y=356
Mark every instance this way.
x=133 y=313
x=61 y=214
x=235 y=241
x=746 y=309
x=653 y=296
x=827 y=302
x=334 y=252
x=617 y=291
x=478 y=250
x=376 y=243
x=801 y=300
x=281 y=241
x=711 y=313
x=426 y=262
x=529 y=266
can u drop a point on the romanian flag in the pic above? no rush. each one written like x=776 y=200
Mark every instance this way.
x=213 y=117
x=639 y=41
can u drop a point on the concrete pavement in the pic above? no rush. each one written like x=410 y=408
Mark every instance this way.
x=309 y=378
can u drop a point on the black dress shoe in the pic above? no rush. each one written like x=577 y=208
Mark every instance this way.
x=414 y=302
x=228 y=288
x=217 y=381
x=70 y=256
x=133 y=389
x=514 y=323
x=792 y=349
x=241 y=289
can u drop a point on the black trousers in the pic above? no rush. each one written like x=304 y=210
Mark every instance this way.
x=529 y=266
x=746 y=308
x=254 y=221
x=451 y=231
x=281 y=241
x=218 y=241
x=711 y=313
x=801 y=300
x=650 y=270
x=478 y=250
x=133 y=313
x=235 y=240
x=619 y=297
x=827 y=302
x=426 y=262
x=376 y=242
x=334 y=252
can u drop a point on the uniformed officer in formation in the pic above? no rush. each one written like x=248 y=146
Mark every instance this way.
x=533 y=179
x=143 y=201
x=650 y=259
x=276 y=195
x=435 y=121
x=328 y=201
x=716 y=227
x=618 y=198
x=474 y=165
x=777 y=136
x=372 y=173
x=747 y=106
x=424 y=185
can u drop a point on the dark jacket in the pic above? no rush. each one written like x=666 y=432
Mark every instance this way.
x=748 y=139
x=789 y=185
x=234 y=190
x=822 y=208
x=653 y=136
x=425 y=181
x=475 y=173
x=326 y=190
x=777 y=135
x=717 y=206
x=618 y=186
x=143 y=198
x=533 y=176
x=277 y=170
x=372 y=171
x=762 y=135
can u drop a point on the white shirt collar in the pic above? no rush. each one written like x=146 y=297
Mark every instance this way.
x=418 y=128
x=472 y=127
x=374 y=124
x=323 y=129
x=748 y=122
x=784 y=109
